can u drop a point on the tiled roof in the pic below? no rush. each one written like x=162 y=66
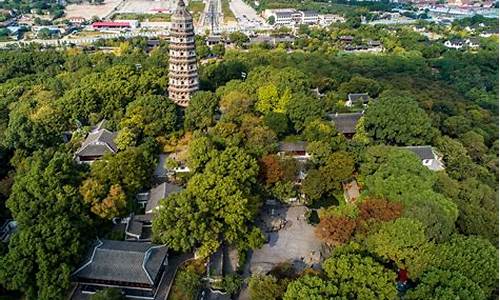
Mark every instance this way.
x=160 y=192
x=424 y=152
x=346 y=123
x=355 y=97
x=124 y=262
x=292 y=146
x=98 y=142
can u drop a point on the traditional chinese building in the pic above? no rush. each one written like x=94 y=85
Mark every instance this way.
x=183 y=72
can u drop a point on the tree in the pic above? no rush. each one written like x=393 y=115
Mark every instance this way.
x=200 y=114
x=54 y=226
x=302 y=109
x=335 y=230
x=397 y=175
x=264 y=287
x=478 y=206
x=443 y=284
x=359 y=277
x=232 y=283
x=270 y=169
x=379 y=210
x=151 y=116
x=310 y=287
x=437 y=213
x=403 y=242
x=398 y=120
x=313 y=186
x=358 y=84
x=238 y=38
x=474 y=257
x=189 y=282
x=339 y=167
x=108 y=294
x=278 y=122
x=216 y=205
x=115 y=180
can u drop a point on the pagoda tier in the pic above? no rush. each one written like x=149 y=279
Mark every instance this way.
x=183 y=70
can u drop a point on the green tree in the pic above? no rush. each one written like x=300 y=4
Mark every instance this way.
x=54 y=227
x=303 y=109
x=339 y=167
x=403 y=242
x=264 y=287
x=439 y=284
x=398 y=120
x=108 y=294
x=474 y=257
x=359 y=277
x=189 y=282
x=314 y=185
x=200 y=114
x=217 y=204
x=238 y=38
x=310 y=287
x=151 y=116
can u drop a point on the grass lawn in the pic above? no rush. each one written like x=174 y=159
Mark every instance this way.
x=143 y=17
x=196 y=8
x=227 y=12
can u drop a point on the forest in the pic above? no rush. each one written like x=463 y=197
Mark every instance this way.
x=441 y=227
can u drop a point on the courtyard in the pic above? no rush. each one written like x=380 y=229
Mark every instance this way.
x=289 y=239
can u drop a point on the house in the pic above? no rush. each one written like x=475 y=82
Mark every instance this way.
x=139 y=226
x=111 y=25
x=135 y=268
x=158 y=193
x=328 y=19
x=355 y=99
x=213 y=40
x=309 y=17
x=454 y=44
x=346 y=38
x=98 y=142
x=296 y=150
x=430 y=158
x=76 y=20
x=346 y=123
x=473 y=43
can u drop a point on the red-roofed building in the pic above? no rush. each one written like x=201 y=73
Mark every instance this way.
x=110 y=24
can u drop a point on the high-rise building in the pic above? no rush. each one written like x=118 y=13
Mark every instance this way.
x=183 y=71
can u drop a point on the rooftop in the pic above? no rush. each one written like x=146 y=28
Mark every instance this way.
x=292 y=146
x=159 y=192
x=424 y=152
x=122 y=261
x=98 y=142
x=346 y=123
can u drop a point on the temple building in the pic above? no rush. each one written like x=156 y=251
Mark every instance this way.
x=183 y=72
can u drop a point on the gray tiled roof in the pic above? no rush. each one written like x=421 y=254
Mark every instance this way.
x=424 y=152
x=123 y=261
x=355 y=97
x=160 y=192
x=346 y=123
x=98 y=142
x=292 y=146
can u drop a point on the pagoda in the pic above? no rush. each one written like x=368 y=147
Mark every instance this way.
x=183 y=71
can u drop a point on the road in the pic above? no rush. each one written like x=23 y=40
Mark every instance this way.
x=247 y=17
x=212 y=17
x=83 y=40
